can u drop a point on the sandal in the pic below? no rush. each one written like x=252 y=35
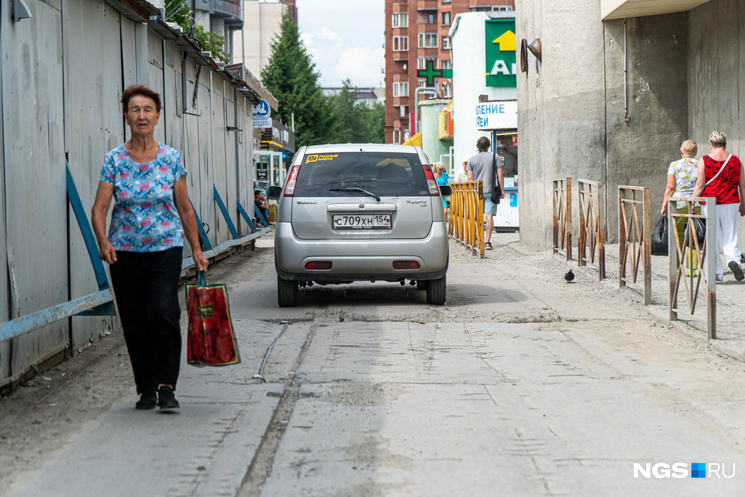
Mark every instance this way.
x=487 y=246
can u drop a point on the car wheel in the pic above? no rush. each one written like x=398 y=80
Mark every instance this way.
x=286 y=292
x=436 y=290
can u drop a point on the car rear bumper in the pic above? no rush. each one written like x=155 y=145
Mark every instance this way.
x=360 y=260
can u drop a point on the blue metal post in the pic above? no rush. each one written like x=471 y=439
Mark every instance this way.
x=206 y=245
x=246 y=217
x=225 y=214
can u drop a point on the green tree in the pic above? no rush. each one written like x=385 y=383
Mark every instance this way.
x=178 y=11
x=347 y=120
x=374 y=119
x=353 y=121
x=291 y=77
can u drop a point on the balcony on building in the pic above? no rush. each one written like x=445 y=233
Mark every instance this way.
x=401 y=56
x=427 y=4
x=229 y=11
x=399 y=101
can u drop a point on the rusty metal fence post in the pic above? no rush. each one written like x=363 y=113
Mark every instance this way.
x=681 y=257
x=562 y=216
x=591 y=224
x=467 y=216
x=634 y=241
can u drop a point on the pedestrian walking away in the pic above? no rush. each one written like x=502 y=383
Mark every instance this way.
x=151 y=217
x=720 y=175
x=481 y=168
x=681 y=182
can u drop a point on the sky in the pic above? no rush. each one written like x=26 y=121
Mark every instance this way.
x=345 y=39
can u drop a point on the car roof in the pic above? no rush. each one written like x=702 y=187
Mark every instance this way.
x=361 y=147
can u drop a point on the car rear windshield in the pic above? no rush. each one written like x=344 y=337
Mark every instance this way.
x=339 y=174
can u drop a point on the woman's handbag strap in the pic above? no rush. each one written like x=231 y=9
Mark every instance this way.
x=720 y=169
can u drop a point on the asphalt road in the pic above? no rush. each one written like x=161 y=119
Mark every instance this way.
x=521 y=385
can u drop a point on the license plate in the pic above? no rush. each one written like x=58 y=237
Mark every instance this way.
x=361 y=221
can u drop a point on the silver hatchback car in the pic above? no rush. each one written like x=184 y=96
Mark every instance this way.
x=361 y=213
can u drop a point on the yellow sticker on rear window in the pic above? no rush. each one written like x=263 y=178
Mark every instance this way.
x=317 y=158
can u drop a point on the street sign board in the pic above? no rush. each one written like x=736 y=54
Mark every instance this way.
x=501 y=59
x=497 y=115
x=262 y=115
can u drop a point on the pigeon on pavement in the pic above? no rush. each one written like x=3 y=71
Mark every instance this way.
x=569 y=276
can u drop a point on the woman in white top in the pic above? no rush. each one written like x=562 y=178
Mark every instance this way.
x=681 y=182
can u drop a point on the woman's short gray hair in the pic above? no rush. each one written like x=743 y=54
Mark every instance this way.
x=718 y=138
x=689 y=148
x=438 y=166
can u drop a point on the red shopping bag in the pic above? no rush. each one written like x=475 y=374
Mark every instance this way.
x=211 y=339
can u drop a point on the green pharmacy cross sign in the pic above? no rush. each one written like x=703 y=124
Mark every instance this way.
x=431 y=74
x=501 y=58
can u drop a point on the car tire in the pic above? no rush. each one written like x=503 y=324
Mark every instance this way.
x=286 y=292
x=436 y=291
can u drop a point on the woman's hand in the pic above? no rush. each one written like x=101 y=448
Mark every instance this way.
x=107 y=253
x=104 y=193
x=200 y=261
x=663 y=211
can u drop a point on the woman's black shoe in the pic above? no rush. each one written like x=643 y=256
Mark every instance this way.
x=166 y=398
x=148 y=400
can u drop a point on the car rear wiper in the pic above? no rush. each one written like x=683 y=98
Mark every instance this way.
x=357 y=190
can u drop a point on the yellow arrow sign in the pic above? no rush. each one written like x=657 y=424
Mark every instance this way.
x=506 y=42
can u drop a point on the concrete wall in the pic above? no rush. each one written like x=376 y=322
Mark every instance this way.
x=469 y=83
x=716 y=77
x=574 y=120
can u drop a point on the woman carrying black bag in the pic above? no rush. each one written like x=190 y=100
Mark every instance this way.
x=681 y=181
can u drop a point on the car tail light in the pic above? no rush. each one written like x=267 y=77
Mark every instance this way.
x=318 y=265
x=405 y=265
x=291 y=180
x=434 y=189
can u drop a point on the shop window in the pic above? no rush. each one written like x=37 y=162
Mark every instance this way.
x=507 y=148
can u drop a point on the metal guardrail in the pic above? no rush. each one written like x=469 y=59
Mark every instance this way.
x=634 y=240
x=591 y=224
x=705 y=269
x=102 y=303
x=95 y=304
x=467 y=215
x=562 y=214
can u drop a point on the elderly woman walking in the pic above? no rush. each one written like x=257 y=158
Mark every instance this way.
x=721 y=175
x=681 y=182
x=151 y=217
x=442 y=179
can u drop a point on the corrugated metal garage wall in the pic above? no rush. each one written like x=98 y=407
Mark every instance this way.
x=61 y=78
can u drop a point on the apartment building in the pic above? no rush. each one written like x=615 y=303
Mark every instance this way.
x=417 y=54
x=262 y=22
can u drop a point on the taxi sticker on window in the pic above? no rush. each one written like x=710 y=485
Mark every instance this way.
x=317 y=158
